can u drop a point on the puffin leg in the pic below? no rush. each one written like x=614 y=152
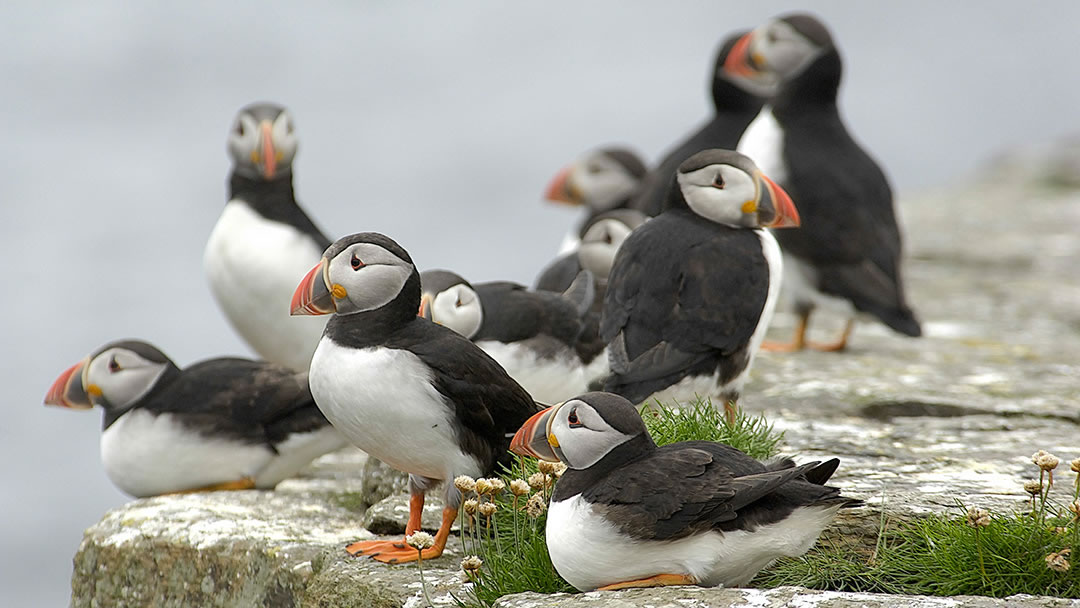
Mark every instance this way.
x=244 y=483
x=797 y=344
x=839 y=345
x=660 y=580
x=731 y=410
x=397 y=552
x=371 y=547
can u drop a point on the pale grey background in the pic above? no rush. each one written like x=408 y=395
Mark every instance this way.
x=438 y=124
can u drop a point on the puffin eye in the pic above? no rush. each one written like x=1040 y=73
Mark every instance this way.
x=718 y=181
x=289 y=127
x=239 y=128
x=356 y=263
x=573 y=420
x=607 y=238
x=458 y=303
x=771 y=37
x=114 y=365
x=592 y=169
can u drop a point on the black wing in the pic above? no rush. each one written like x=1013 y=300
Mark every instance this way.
x=682 y=295
x=559 y=274
x=489 y=405
x=849 y=231
x=250 y=400
x=686 y=488
x=513 y=313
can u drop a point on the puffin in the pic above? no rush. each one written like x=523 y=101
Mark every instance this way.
x=627 y=513
x=600 y=241
x=221 y=424
x=736 y=101
x=600 y=180
x=264 y=240
x=533 y=335
x=692 y=291
x=416 y=395
x=846 y=255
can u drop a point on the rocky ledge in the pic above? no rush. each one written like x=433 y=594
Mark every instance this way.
x=918 y=424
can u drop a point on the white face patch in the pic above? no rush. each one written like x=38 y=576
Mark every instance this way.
x=602 y=181
x=784 y=51
x=583 y=435
x=600 y=244
x=721 y=193
x=459 y=309
x=371 y=276
x=245 y=139
x=121 y=376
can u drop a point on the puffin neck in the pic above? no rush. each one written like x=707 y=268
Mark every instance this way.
x=816 y=86
x=170 y=375
x=374 y=326
x=575 y=481
x=728 y=98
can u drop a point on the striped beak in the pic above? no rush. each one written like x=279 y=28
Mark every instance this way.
x=560 y=190
x=68 y=391
x=313 y=295
x=773 y=196
x=534 y=438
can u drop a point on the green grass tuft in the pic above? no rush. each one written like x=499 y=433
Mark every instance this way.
x=700 y=420
x=943 y=555
x=514 y=549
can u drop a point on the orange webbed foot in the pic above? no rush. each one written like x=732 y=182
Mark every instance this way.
x=660 y=580
x=391 y=551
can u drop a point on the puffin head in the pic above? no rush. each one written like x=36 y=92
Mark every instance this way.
x=731 y=88
x=116 y=377
x=600 y=180
x=262 y=142
x=602 y=236
x=777 y=52
x=359 y=273
x=448 y=299
x=726 y=187
x=581 y=431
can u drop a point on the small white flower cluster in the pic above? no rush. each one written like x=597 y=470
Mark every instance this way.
x=978 y=518
x=1058 y=562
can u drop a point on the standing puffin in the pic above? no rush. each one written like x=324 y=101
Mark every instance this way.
x=846 y=255
x=601 y=180
x=627 y=513
x=692 y=291
x=533 y=335
x=736 y=101
x=264 y=240
x=416 y=395
x=222 y=424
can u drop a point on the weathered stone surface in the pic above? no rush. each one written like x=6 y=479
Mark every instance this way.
x=918 y=423
x=248 y=548
x=696 y=597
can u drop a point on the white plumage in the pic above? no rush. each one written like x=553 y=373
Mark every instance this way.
x=254 y=265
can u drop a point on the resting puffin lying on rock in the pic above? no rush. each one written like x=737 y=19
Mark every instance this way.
x=627 y=513
x=418 y=396
x=222 y=424
x=533 y=335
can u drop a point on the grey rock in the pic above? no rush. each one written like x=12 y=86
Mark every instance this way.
x=697 y=597
x=249 y=548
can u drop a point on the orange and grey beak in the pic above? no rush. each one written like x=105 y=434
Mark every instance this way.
x=738 y=59
x=68 y=390
x=560 y=190
x=785 y=214
x=268 y=160
x=534 y=438
x=313 y=296
x=425 y=306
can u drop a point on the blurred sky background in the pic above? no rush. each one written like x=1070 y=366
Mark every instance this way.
x=436 y=123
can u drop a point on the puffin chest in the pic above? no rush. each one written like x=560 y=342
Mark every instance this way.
x=763 y=142
x=383 y=400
